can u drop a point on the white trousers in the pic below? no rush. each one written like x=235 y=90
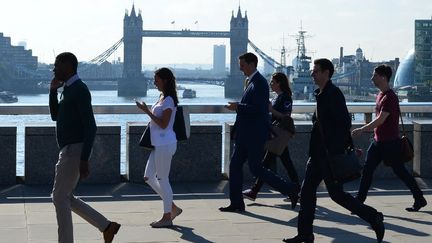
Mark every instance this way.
x=67 y=175
x=157 y=171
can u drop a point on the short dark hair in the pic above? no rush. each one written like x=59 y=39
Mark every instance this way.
x=69 y=58
x=249 y=58
x=384 y=70
x=325 y=64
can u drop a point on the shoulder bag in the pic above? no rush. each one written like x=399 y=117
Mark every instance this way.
x=344 y=167
x=405 y=146
x=278 y=139
x=181 y=125
x=145 y=140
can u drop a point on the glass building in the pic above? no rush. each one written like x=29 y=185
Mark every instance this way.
x=405 y=72
x=423 y=51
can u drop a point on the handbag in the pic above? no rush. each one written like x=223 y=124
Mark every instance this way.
x=407 y=150
x=344 y=167
x=278 y=140
x=181 y=125
x=145 y=140
x=403 y=145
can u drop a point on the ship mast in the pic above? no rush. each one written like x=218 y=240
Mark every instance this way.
x=303 y=61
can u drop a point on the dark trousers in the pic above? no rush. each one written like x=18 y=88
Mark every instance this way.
x=377 y=152
x=316 y=171
x=269 y=162
x=253 y=153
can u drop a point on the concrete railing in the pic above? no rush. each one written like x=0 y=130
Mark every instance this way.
x=41 y=155
x=197 y=159
x=353 y=107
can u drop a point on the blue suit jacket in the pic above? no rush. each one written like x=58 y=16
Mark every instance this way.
x=252 y=120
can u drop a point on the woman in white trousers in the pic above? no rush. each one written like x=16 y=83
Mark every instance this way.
x=163 y=138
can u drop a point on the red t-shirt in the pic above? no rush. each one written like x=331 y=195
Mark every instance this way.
x=389 y=130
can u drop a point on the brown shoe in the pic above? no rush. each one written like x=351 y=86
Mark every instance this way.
x=110 y=231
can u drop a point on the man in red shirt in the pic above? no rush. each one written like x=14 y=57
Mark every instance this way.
x=386 y=144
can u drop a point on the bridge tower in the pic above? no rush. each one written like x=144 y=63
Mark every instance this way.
x=238 y=43
x=133 y=82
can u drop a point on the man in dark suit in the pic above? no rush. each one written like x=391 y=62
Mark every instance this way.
x=251 y=130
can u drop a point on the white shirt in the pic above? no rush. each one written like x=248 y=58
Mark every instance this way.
x=158 y=135
x=251 y=76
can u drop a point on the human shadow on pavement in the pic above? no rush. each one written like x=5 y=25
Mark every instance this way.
x=286 y=206
x=189 y=235
x=326 y=214
x=412 y=220
x=326 y=231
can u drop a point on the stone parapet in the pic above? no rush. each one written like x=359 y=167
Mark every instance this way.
x=8 y=154
x=197 y=159
x=41 y=155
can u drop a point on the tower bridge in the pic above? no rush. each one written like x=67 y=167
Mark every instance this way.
x=133 y=82
x=186 y=33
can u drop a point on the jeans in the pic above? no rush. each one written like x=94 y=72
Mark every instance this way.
x=317 y=170
x=376 y=153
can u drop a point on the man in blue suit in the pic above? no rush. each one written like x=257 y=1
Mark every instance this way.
x=251 y=130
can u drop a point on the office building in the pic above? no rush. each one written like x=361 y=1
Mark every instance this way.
x=219 y=59
x=423 y=52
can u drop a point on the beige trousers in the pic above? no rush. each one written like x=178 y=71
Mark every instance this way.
x=67 y=174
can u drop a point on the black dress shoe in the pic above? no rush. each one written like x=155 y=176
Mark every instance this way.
x=300 y=239
x=417 y=205
x=378 y=227
x=232 y=209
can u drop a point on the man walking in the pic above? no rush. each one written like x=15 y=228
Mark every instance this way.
x=251 y=130
x=329 y=136
x=76 y=130
x=386 y=144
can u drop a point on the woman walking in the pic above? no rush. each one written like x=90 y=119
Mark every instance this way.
x=164 y=140
x=280 y=106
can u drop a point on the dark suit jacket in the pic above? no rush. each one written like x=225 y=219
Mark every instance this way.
x=252 y=120
x=335 y=122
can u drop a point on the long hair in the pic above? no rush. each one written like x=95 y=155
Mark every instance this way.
x=282 y=80
x=169 y=88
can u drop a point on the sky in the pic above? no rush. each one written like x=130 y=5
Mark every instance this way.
x=384 y=29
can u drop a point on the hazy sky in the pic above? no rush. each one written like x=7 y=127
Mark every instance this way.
x=384 y=29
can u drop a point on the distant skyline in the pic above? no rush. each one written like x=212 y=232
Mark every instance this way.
x=384 y=29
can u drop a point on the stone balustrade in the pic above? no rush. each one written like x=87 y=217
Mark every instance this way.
x=197 y=159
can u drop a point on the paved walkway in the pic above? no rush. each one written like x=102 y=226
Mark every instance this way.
x=27 y=215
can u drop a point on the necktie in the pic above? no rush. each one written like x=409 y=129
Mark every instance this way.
x=246 y=83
